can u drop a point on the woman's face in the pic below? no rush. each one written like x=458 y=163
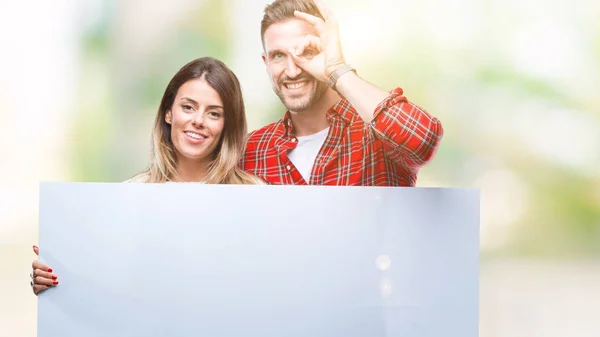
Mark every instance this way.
x=197 y=119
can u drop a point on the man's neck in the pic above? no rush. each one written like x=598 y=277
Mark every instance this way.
x=314 y=119
x=191 y=170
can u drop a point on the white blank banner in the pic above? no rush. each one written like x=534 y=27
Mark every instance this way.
x=213 y=260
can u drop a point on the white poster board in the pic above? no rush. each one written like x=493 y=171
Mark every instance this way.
x=216 y=260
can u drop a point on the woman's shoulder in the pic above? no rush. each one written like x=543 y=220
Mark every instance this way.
x=139 y=178
x=247 y=178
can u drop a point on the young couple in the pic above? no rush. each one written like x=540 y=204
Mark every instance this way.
x=338 y=128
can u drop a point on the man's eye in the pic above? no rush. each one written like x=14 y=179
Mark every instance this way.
x=309 y=52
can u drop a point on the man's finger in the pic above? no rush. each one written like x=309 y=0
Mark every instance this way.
x=311 y=19
x=299 y=60
x=322 y=9
x=311 y=66
x=310 y=45
x=330 y=17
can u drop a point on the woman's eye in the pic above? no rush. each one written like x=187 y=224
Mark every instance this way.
x=215 y=114
x=186 y=107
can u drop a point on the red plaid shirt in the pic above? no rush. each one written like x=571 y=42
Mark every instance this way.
x=386 y=152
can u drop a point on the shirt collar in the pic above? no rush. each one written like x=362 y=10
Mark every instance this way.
x=341 y=111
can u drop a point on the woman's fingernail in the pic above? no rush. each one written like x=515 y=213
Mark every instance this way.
x=49 y=270
x=54 y=277
x=55 y=282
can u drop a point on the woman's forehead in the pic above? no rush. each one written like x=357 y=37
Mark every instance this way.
x=200 y=91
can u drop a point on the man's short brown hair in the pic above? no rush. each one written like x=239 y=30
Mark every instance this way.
x=283 y=10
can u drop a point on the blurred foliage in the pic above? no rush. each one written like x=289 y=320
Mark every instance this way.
x=92 y=149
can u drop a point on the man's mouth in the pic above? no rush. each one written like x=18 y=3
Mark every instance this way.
x=195 y=135
x=296 y=85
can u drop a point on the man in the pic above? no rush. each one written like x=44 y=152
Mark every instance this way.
x=339 y=129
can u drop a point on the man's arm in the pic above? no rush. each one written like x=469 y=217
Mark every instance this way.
x=362 y=95
x=410 y=134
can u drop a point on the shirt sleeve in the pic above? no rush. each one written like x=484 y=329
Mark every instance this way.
x=410 y=135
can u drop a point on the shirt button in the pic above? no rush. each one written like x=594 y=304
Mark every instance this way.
x=288 y=167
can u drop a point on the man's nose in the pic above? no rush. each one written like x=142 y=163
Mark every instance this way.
x=292 y=70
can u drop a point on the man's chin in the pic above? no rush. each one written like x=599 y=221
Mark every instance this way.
x=296 y=105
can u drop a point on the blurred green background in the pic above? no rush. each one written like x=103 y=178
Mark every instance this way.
x=513 y=82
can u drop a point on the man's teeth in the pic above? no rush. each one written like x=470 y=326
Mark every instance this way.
x=195 y=135
x=295 y=85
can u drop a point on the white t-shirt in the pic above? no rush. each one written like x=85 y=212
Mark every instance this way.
x=305 y=153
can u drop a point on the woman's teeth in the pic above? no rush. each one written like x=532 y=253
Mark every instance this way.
x=195 y=135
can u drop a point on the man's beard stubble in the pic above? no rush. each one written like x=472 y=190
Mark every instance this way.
x=304 y=102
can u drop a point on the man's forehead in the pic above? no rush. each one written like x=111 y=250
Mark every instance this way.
x=284 y=35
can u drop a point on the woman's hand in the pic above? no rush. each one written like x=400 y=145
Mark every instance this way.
x=41 y=276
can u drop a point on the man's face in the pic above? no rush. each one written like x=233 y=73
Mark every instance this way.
x=297 y=89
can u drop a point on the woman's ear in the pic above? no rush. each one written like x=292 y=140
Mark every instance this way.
x=168 y=117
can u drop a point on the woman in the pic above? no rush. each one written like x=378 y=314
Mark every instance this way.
x=200 y=128
x=198 y=136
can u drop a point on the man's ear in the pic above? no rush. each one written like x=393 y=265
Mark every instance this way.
x=168 y=117
x=264 y=58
